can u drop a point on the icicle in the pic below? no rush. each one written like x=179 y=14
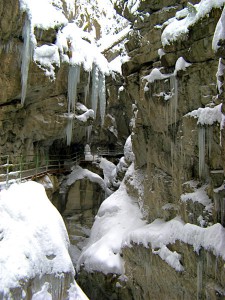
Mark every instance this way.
x=89 y=129
x=209 y=140
x=26 y=57
x=201 y=149
x=102 y=96
x=174 y=90
x=86 y=89
x=73 y=80
x=199 y=276
x=216 y=268
x=95 y=88
x=69 y=130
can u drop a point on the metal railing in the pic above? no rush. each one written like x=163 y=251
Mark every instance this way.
x=22 y=168
x=110 y=152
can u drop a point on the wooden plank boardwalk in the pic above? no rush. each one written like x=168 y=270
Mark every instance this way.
x=19 y=169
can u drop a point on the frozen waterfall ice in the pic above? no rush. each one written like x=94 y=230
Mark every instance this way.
x=174 y=91
x=98 y=96
x=26 y=57
x=89 y=129
x=94 y=92
x=69 y=129
x=102 y=96
x=87 y=89
x=73 y=80
x=201 y=147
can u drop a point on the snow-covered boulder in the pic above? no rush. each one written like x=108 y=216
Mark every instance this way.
x=34 y=258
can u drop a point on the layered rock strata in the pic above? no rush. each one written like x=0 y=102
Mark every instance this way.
x=177 y=142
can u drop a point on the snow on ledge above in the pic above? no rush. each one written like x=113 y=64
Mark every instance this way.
x=177 y=27
x=159 y=234
x=219 y=32
x=79 y=42
x=44 y=14
x=207 y=115
x=199 y=195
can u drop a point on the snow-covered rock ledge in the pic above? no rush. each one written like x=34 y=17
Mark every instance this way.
x=34 y=258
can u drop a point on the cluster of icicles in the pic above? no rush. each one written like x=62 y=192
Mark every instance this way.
x=205 y=133
x=98 y=94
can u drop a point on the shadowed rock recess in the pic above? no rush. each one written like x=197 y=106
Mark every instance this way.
x=173 y=91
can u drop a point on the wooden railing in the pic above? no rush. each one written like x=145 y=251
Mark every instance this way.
x=22 y=168
x=109 y=152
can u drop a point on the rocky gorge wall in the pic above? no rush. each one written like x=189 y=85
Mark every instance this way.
x=37 y=129
x=168 y=147
x=39 y=126
x=177 y=155
x=179 y=151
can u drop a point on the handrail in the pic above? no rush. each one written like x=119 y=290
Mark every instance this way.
x=23 y=170
x=106 y=151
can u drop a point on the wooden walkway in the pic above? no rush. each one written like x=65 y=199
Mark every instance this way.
x=31 y=167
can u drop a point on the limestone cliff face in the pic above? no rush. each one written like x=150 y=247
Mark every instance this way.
x=171 y=148
x=40 y=125
x=168 y=145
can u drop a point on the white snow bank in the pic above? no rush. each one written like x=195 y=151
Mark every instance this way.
x=156 y=75
x=118 y=215
x=219 y=33
x=109 y=40
x=47 y=56
x=33 y=239
x=207 y=115
x=172 y=258
x=159 y=234
x=116 y=64
x=200 y=196
x=179 y=27
x=123 y=165
x=80 y=173
x=89 y=114
x=107 y=167
x=181 y=64
x=219 y=73
x=128 y=151
x=44 y=14
x=78 y=47
x=76 y=44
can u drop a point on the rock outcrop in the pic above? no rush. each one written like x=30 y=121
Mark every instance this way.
x=170 y=88
x=39 y=126
x=177 y=88
x=174 y=147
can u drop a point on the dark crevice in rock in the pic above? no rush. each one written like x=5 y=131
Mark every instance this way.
x=11 y=102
